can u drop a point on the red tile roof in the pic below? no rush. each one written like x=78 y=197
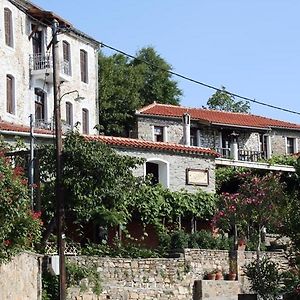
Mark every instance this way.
x=216 y=117
x=7 y=126
x=148 y=145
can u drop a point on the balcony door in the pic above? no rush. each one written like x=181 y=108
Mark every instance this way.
x=40 y=107
x=37 y=43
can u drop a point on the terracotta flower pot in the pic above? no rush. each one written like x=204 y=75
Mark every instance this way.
x=219 y=276
x=232 y=276
x=211 y=276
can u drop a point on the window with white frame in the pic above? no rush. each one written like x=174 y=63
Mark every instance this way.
x=10 y=94
x=158 y=134
x=158 y=170
x=8 y=27
x=291 y=145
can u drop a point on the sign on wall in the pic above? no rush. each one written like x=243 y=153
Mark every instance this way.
x=197 y=177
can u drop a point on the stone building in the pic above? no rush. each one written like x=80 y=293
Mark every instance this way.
x=26 y=69
x=237 y=137
x=174 y=166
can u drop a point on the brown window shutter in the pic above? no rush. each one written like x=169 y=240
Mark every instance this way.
x=8 y=27
x=9 y=95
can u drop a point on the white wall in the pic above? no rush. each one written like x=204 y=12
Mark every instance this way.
x=15 y=61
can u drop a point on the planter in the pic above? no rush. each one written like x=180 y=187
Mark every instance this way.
x=211 y=276
x=219 y=276
x=231 y=276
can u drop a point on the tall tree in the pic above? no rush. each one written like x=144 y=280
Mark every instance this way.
x=119 y=86
x=126 y=85
x=222 y=100
x=157 y=81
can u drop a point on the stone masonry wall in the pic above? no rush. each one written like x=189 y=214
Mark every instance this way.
x=178 y=163
x=168 y=279
x=21 y=278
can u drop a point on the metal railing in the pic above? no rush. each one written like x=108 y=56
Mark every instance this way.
x=40 y=62
x=42 y=124
x=225 y=152
x=243 y=155
x=250 y=155
x=66 y=67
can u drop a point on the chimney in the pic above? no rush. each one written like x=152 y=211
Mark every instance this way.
x=186 y=120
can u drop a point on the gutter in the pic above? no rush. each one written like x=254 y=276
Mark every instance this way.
x=26 y=134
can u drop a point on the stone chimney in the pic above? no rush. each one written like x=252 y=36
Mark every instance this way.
x=186 y=120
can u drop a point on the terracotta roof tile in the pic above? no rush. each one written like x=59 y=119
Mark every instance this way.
x=149 y=145
x=216 y=117
x=7 y=126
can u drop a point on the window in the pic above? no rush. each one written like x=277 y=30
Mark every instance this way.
x=69 y=113
x=290 y=145
x=193 y=137
x=152 y=170
x=10 y=94
x=66 y=58
x=84 y=66
x=159 y=171
x=37 y=41
x=8 y=27
x=85 y=121
x=158 y=134
x=40 y=106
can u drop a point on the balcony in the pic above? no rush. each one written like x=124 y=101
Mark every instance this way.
x=248 y=159
x=41 y=67
x=43 y=124
x=242 y=155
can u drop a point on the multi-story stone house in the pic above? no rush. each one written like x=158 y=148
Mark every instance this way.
x=241 y=139
x=26 y=70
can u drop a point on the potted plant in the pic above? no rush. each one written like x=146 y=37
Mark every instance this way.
x=210 y=275
x=219 y=275
x=231 y=275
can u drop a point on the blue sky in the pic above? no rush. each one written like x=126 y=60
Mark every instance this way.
x=250 y=47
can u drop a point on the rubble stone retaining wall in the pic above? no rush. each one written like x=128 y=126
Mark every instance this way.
x=169 y=279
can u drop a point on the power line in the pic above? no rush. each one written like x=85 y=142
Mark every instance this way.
x=202 y=83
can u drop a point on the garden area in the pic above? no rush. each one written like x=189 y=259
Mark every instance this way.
x=105 y=203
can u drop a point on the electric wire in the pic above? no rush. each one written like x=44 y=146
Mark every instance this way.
x=201 y=83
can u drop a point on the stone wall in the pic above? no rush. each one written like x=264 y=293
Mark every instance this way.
x=216 y=290
x=210 y=137
x=177 y=164
x=21 y=278
x=169 y=279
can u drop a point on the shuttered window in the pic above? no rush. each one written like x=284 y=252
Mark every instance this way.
x=66 y=58
x=85 y=121
x=84 y=66
x=8 y=27
x=69 y=113
x=10 y=95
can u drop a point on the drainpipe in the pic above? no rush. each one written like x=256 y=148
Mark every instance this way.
x=186 y=120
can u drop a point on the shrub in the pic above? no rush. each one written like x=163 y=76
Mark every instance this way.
x=20 y=227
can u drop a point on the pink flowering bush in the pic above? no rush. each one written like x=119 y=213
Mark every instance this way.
x=255 y=205
x=20 y=227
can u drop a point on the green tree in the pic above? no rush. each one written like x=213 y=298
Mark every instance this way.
x=97 y=182
x=119 y=85
x=157 y=81
x=126 y=85
x=222 y=100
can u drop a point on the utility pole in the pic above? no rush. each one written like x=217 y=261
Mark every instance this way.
x=60 y=205
x=31 y=164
